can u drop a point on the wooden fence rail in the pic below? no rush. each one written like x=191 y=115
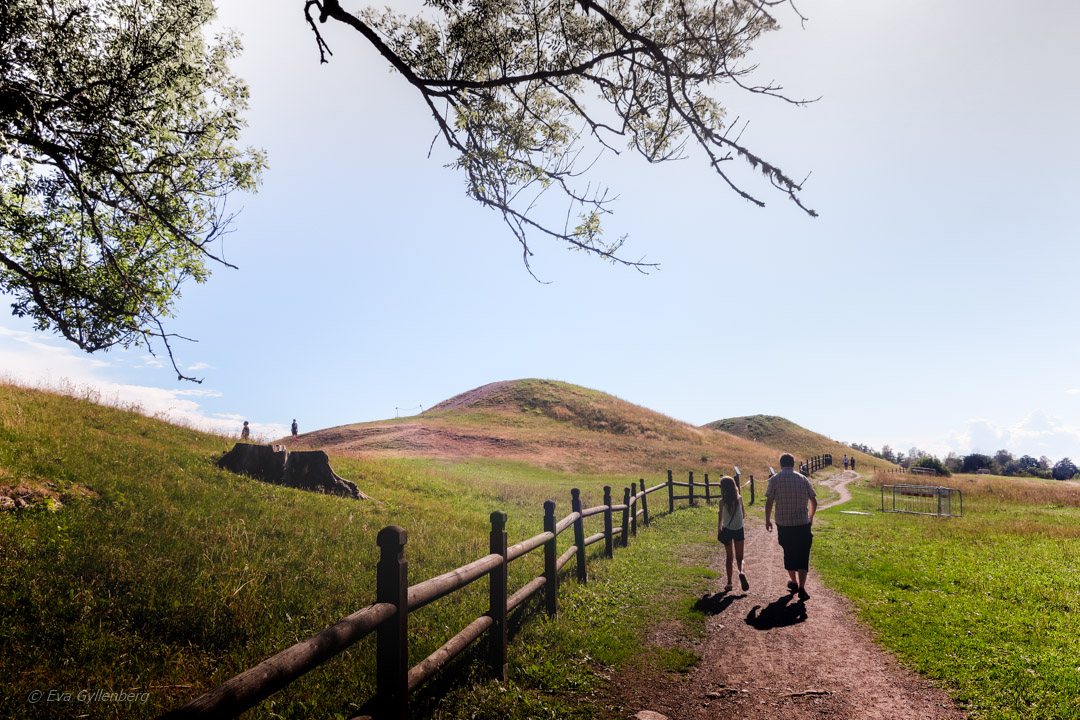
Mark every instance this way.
x=817 y=462
x=388 y=616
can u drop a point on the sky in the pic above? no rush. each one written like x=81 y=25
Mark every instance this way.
x=932 y=304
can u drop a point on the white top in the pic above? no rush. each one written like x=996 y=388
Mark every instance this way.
x=731 y=523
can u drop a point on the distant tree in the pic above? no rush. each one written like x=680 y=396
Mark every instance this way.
x=1027 y=463
x=1003 y=457
x=118 y=131
x=1012 y=468
x=954 y=462
x=974 y=462
x=1044 y=462
x=887 y=454
x=528 y=94
x=1065 y=470
x=929 y=461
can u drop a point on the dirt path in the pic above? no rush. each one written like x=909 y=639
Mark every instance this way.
x=768 y=655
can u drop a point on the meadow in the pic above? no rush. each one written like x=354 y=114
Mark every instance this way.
x=163 y=576
x=988 y=604
x=154 y=573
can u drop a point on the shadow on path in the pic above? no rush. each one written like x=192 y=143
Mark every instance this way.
x=716 y=603
x=779 y=613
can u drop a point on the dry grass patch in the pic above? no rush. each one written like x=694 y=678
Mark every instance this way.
x=995 y=489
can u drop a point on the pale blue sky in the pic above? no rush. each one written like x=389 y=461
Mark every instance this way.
x=931 y=304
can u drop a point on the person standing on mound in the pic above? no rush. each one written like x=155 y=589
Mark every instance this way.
x=731 y=528
x=791 y=493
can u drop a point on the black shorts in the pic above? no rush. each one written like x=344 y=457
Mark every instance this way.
x=796 y=541
x=728 y=535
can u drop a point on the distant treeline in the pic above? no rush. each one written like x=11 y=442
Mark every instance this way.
x=1002 y=462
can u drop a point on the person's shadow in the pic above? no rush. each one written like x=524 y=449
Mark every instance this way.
x=717 y=602
x=779 y=613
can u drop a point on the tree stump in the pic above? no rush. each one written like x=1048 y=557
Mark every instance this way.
x=305 y=470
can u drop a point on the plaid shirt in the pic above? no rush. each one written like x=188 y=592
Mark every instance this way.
x=790 y=492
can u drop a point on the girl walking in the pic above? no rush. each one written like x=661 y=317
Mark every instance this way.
x=730 y=531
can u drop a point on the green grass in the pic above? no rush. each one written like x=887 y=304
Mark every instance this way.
x=176 y=576
x=987 y=604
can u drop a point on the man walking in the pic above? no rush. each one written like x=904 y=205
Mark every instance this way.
x=790 y=493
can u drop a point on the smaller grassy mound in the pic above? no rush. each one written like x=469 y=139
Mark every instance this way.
x=789 y=437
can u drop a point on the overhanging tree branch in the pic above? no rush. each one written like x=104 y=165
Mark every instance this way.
x=520 y=80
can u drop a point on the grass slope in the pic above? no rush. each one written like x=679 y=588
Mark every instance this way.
x=780 y=433
x=163 y=576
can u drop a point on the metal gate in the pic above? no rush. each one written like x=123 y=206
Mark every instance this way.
x=922 y=500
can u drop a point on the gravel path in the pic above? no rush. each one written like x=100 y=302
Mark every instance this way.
x=768 y=655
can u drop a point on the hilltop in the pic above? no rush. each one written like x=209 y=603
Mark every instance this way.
x=551 y=424
x=781 y=433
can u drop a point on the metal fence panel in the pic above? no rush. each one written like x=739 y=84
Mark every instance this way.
x=922 y=500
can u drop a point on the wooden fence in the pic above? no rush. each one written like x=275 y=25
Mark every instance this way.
x=818 y=462
x=395 y=599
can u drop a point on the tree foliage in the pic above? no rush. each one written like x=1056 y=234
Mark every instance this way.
x=527 y=93
x=1065 y=469
x=929 y=461
x=976 y=462
x=119 y=125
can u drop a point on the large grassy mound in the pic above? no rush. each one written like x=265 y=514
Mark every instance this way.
x=554 y=425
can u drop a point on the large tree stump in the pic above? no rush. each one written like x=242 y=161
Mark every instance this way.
x=305 y=470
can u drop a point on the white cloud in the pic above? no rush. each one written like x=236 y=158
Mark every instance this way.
x=29 y=359
x=199 y=393
x=1073 y=391
x=1036 y=435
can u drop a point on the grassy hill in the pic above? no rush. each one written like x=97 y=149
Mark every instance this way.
x=149 y=570
x=133 y=564
x=129 y=562
x=554 y=425
x=780 y=433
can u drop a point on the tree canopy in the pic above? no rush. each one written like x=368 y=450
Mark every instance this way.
x=119 y=125
x=528 y=93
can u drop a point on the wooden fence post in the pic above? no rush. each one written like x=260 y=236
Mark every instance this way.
x=392 y=637
x=751 y=488
x=644 y=503
x=579 y=534
x=708 y=495
x=670 y=493
x=626 y=517
x=609 y=541
x=692 y=488
x=497 y=598
x=551 y=586
x=633 y=509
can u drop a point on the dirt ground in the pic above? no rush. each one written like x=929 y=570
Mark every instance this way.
x=766 y=654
